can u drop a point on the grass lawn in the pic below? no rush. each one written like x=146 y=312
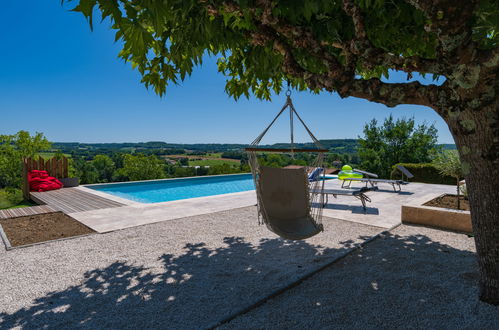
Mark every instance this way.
x=210 y=159
x=12 y=200
x=47 y=155
x=214 y=155
x=213 y=162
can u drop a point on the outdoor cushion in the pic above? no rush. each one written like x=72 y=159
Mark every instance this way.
x=41 y=181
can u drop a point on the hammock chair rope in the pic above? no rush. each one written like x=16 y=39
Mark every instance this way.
x=313 y=190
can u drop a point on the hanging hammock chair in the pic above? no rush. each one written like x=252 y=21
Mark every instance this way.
x=290 y=200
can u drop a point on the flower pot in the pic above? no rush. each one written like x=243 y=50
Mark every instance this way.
x=70 y=182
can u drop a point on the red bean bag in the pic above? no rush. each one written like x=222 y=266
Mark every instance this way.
x=41 y=181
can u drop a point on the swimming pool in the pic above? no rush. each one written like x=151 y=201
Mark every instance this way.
x=176 y=189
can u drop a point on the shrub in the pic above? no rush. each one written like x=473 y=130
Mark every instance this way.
x=13 y=148
x=183 y=161
x=223 y=169
x=464 y=190
x=10 y=197
x=424 y=172
x=181 y=172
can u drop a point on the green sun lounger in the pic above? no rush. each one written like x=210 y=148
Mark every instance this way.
x=372 y=179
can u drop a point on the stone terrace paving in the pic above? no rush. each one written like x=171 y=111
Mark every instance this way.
x=384 y=211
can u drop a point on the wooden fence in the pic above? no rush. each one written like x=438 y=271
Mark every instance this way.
x=56 y=167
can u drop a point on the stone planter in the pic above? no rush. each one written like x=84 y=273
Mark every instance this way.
x=450 y=219
x=70 y=182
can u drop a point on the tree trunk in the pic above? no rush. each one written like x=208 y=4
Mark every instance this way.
x=478 y=146
x=484 y=201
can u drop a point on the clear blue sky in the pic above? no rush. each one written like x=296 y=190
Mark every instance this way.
x=61 y=79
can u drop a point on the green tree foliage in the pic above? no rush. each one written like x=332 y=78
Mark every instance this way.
x=448 y=163
x=85 y=171
x=13 y=148
x=117 y=158
x=183 y=161
x=282 y=160
x=223 y=169
x=105 y=168
x=395 y=141
x=181 y=172
x=235 y=154
x=337 y=160
x=142 y=167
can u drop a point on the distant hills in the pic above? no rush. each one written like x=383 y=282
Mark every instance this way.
x=341 y=146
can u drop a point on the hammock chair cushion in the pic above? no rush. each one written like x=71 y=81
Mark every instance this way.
x=284 y=194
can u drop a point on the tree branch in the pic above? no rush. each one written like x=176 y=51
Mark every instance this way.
x=351 y=8
x=392 y=94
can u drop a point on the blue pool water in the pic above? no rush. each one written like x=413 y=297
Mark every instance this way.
x=176 y=189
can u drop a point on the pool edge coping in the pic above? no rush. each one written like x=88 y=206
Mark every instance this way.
x=126 y=202
x=166 y=179
x=130 y=202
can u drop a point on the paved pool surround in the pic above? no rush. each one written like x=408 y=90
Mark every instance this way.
x=384 y=211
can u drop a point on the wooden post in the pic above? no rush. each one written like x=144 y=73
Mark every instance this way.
x=53 y=168
x=65 y=166
x=25 y=185
x=41 y=164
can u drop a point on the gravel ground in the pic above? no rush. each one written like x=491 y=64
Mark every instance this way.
x=412 y=278
x=184 y=273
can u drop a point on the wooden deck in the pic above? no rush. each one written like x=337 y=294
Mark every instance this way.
x=23 y=211
x=71 y=200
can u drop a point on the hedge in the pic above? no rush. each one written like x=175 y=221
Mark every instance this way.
x=425 y=173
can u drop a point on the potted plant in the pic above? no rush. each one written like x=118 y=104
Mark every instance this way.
x=448 y=163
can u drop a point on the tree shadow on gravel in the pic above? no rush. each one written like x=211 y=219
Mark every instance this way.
x=194 y=290
x=396 y=282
